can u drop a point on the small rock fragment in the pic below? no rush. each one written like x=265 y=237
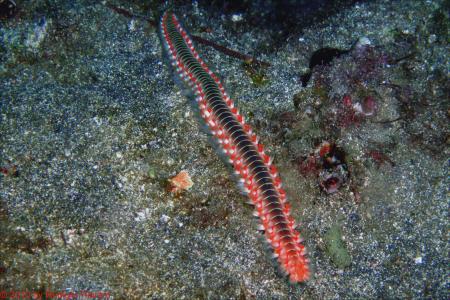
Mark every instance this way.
x=182 y=181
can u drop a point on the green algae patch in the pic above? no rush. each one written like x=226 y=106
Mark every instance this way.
x=257 y=73
x=335 y=247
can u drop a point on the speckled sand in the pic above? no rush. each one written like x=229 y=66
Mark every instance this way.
x=93 y=125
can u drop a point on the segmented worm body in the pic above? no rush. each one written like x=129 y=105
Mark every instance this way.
x=236 y=138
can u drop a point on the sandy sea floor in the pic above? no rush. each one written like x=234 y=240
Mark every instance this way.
x=93 y=126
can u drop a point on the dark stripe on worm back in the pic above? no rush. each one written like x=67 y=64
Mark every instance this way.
x=241 y=145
